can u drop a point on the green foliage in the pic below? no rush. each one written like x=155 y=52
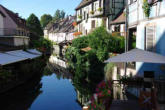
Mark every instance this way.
x=100 y=9
x=43 y=43
x=45 y=19
x=133 y=41
x=59 y=14
x=34 y=25
x=146 y=8
x=109 y=71
x=89 y=65
x=81 y=42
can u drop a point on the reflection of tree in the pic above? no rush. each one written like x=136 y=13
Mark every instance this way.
x=22 y=97
x=84 y=89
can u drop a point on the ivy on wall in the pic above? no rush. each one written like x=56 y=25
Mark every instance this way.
x=146 y=8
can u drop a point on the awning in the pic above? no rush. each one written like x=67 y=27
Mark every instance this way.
x=21 y=53
x=8 y=59
x=34 y=51
x=138 y=55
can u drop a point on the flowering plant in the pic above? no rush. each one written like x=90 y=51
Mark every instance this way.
x=104 y=89
x=77 y=33
x=74 y=24
x=95 y=105
x=103 y=99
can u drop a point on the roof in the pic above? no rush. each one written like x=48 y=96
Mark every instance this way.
x=21 y=53
x=8 y=59
x=84 y=3
x=86 y=49
x=138 y=55
x=17 y=56
x=14 y=16
x=120 y=19
x=2 y=14
x=64 y=25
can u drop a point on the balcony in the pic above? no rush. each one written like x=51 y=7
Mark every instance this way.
x=79 y=18
x=96 y=13
x=13 y=32
x=14 y=37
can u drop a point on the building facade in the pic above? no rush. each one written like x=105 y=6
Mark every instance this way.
x=60 y=31
x=149 y=31
x=13 y=30
x=94 y=13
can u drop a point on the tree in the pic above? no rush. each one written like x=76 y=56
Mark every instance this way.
x=34 y=25
x=59 y=14
x=62 y=14
x=45 y=19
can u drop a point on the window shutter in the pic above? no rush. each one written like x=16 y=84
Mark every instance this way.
x=93 y=23
x=150 y=33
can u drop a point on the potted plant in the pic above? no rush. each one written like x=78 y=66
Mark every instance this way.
x=100 y=9
x=79 y=16
x=146 y=7
x=92 y=12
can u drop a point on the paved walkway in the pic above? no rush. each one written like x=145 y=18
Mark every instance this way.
x=130 y=104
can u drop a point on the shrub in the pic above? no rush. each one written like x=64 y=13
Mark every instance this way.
x=80 y=42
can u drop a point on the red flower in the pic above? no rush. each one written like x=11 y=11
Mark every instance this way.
x=109 y=92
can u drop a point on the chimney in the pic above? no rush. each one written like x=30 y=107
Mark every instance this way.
x=17 y=14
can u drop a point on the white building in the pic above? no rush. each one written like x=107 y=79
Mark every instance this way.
x=60 y=31
x=150 y=33
x=13 y=30
x=93 y=13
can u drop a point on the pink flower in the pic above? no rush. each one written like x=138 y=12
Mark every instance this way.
x=94 y=106
x=109 y=92
x=97 y=90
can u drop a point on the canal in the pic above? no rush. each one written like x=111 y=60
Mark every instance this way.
x=52 y=90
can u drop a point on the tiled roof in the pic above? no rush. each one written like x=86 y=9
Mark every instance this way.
x=84 y=3
x=65 y=25
x=119 y=20
x=14 y=16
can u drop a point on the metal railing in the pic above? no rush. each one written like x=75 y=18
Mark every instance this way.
x=13 y=32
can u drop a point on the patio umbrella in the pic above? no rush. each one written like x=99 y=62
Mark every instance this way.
x=138 y=55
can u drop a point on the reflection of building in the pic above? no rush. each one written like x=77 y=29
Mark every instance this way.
x=93 y=13
x=82 y=100
x=13 y=30
x=59 y=67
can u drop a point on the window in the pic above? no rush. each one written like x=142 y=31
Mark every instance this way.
x=93 y=24
x=150 y=38
x=100 y=3
x=131 y=1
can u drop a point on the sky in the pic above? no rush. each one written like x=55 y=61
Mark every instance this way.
x=40 y=7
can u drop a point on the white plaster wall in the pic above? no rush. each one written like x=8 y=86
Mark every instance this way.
x=129 y=72
x=136 y=12
x=60 y=37
x=20 y=41
x=8 y=22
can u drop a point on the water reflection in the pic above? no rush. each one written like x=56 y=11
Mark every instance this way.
x=22 y=97
x=54 y=89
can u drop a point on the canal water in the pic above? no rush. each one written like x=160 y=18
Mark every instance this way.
x=52 y=90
